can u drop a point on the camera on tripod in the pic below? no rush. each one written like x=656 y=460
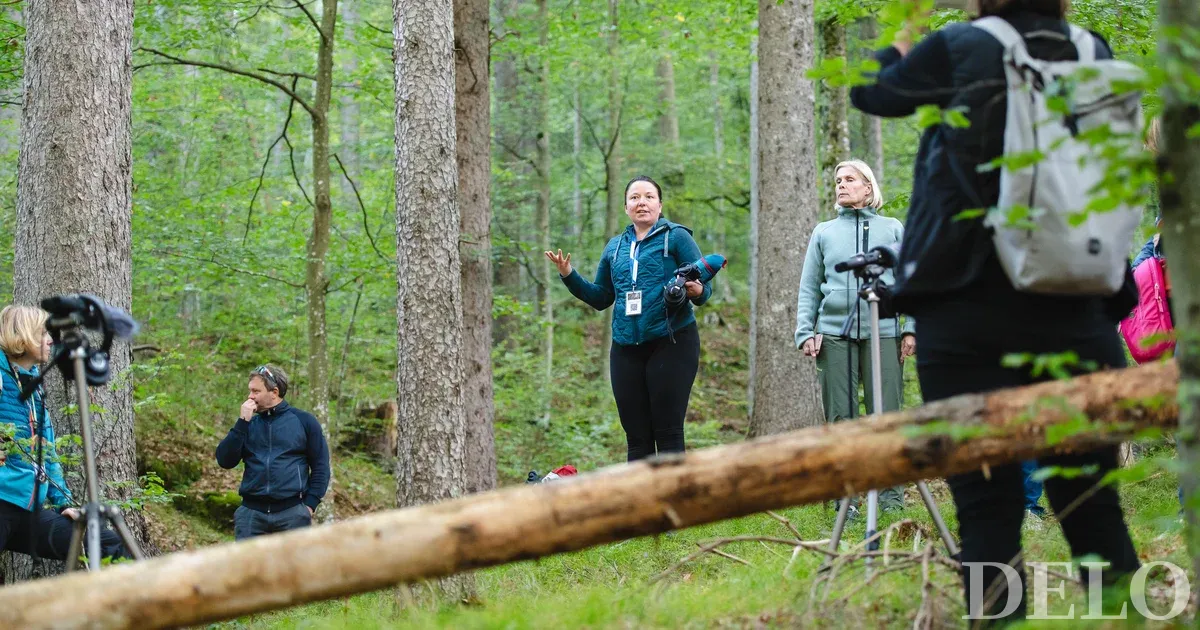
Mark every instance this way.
x=870 y=267
x=71 y=318
x=701 y=271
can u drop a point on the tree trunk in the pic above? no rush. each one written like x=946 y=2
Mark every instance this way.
x=429 y=371
x=724 y=287
x=576 y=229
x=613 y=186
x=348 y=110
x=316 y=281
x=624 y=501
x=786 y=393
x=668 y=133
x=74 y=202
x=835 y=136
x=754 y=211
x=472 y=118
x=668 y=117
x=1180 y=190
x=507 y=269
x=868 y=143
x=543 y=209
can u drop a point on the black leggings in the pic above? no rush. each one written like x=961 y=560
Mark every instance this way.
x=953 y=359
x=52 y=537
x=651 y=383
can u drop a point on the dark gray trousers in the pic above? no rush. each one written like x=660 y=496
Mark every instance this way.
x=843 y=365
x=249 y=523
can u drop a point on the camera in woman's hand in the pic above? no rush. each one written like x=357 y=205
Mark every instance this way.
x=676 y=292
x=702 y=271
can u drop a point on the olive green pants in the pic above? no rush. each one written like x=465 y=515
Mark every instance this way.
x=842 y=365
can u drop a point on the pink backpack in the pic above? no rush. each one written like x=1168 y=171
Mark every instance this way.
x=1148 y=331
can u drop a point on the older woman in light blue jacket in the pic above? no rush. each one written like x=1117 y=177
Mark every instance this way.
x=827 y=300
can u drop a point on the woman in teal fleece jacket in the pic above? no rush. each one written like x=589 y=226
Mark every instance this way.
x=827 y=299
x=656 y=348
x=25 y=525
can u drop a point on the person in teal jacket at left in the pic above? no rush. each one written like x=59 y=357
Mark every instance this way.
x=26 y=524
x=656 y=348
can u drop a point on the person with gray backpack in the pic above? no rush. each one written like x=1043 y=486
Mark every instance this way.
x=1004 y=255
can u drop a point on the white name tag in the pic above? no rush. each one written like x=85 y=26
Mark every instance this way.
x=633 y=302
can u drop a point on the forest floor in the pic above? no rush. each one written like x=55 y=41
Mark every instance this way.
x=614 y=585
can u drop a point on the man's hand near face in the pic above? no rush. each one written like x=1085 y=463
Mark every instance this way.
x=248 y=409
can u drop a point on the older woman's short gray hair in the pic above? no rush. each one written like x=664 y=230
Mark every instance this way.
x=876 y=198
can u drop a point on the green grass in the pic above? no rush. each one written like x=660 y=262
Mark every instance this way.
x=610 y=586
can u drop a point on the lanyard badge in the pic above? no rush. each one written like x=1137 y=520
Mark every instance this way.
x=633 y=299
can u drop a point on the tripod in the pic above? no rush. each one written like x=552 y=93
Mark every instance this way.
x=870 y=273
x=73 y=345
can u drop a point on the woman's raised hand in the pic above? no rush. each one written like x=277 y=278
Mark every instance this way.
x=562 y=262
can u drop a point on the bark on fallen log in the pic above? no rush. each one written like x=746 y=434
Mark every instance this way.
x=620 y=502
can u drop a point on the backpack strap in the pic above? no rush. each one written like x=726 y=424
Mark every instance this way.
x=1004 y=32
x=1084 y=43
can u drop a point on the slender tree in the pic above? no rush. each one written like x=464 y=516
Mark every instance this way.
x=613 y=188
x=755 y=170
x=785 y=389
x=74 y=205
x=576 y=227
x=316 y=278
x=835 y=124
x=1180 y=192
x=506 y=137
x=668 y=132
x=472 y=119
x=724 y=287
x=871 y=127
x=542 y=164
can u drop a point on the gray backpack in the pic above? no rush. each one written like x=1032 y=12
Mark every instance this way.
x=1043 y=252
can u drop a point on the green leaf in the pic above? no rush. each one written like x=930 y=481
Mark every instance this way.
x=1059 y=433
x=1048 y=472
x=1139 y=471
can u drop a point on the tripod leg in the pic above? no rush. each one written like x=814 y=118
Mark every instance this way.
x=76 y=546
x=91 y=538
x=872 y=521
x=131 y=545
x=943 y=531
x=839 y=525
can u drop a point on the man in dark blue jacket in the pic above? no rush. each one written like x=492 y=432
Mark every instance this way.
x=287 y=459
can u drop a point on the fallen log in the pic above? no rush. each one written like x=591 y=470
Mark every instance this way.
x=378 y=550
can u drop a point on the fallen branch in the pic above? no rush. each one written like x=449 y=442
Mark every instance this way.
x=713 y=545
x=617 y=503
